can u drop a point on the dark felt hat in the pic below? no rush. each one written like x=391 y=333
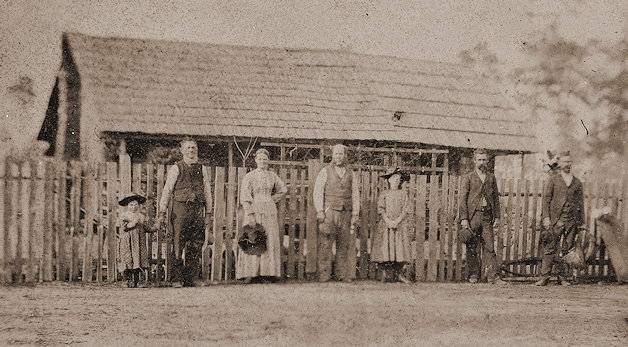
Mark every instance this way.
x=253 y=239
x=140 y=199
x=465 y=235
x=405 y=177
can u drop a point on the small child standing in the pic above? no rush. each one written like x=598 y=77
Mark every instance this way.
x=132 y=251
x=391 y=240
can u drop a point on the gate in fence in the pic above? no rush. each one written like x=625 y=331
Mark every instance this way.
x=58 y=222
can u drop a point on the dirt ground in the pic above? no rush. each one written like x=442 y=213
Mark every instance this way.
x=360 y=313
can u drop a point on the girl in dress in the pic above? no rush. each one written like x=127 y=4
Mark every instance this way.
x=391 y=240
x=260 y=191
x=132 y=250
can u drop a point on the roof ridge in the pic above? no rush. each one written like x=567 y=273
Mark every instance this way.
x=277 y=49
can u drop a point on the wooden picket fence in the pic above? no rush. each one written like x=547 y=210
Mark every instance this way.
x=58 y=222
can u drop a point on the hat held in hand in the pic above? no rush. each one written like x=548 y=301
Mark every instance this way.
x=465 y=235
x=253 y=239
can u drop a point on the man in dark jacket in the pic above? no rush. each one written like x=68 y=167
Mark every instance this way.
x=479 y=211
x=562 y=213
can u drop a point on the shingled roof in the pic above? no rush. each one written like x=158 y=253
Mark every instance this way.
x=182 y=88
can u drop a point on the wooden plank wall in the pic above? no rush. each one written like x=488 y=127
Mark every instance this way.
x=58 y=222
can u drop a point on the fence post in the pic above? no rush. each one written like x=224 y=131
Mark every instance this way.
x=420 y=228
x=313 y=167
x=433 y=208
x=219 y=219
x=112 y=177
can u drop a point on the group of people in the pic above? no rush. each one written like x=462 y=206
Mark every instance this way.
x=337 y=203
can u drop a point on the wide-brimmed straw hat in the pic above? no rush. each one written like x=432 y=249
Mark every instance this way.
x=132 y=197
x=405 y=177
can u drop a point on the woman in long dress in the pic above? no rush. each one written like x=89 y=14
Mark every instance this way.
x=260 y=191
x=391 y=240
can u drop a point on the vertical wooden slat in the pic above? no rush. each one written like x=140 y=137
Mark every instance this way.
x=112 y=202
x=102 y=171
x=90 y=198
x=151 y=213
x=292 y=192
x=48 y=220
x=499 y=251
x=240 y=211
x=61 y=221
x=524 y=250
x=15 y=225
x=313 y=167
x=76 y=229
x=601 y=202
x=516 y=237
x=160 y=233
x=219 y=220
x=595 y=203
x=281 y=221
x=27 y=208
x=136 y=185
x=124 y=174
x=420 y=228
x=434 y=203
x=4 y=218
x=362 y=235
x=231 y=204
x=451 y=225
x=509 y=222
x=533 y=231
x=589 y=222
x=38 y=200
x=377 y=186
x=72 y=221
x=302 y=221
x=443 y=211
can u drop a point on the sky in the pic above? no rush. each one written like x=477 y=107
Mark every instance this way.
x=30 y=32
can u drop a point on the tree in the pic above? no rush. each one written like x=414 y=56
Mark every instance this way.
x=578 y=92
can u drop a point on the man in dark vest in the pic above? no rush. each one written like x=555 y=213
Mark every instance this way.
x=191 y=202
x=562 y=213
x=479 y=211
x=337 y=204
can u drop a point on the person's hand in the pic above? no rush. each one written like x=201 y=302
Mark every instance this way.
x=354 y=219
x=320 y=216
x=464 y=224
x=392 y=224
x=547 y=223
x=161 y=219
x=252 y=220
x=496 y=223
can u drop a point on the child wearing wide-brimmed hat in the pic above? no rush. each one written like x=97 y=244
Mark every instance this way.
x=132 y=250
x=391 y=240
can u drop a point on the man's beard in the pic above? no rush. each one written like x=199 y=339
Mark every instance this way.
x=482 y=168
x=566 y=169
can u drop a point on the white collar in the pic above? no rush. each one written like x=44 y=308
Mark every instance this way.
x=481 y=174
x=567 y=177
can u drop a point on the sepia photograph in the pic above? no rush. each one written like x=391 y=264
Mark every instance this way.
x=313 y=173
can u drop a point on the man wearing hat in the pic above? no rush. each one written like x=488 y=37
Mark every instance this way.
x=479 y=213
x=337 y=204
x=192 y=201
x=562 y=214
